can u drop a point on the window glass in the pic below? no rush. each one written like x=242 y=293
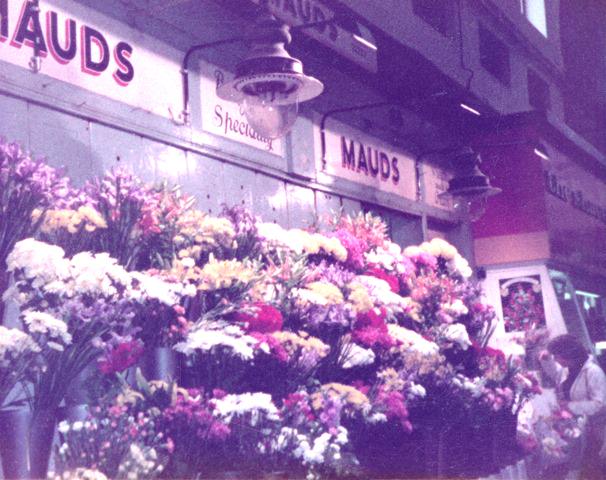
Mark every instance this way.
x=494 y=56
x=534 y=11
x=538 y=92
x=574 y=316
x=439 y=14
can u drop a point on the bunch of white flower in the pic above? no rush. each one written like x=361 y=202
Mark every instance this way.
x=357 y=356
x=256 y=405
x=321 y=449
x=389 y=256
x=456 y=333
x=40 y=262
x=140 y=462
x=381 y=292
x=412 y=340
x=13 y=344
x=474 y=386
x=149 y=286
x=98 y=274
x=218 y=335
x=53 y=329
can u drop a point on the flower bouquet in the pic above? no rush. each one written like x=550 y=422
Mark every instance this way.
x=27 y=186
x=18 y=355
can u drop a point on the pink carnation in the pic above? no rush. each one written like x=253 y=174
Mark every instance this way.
x=371 y=329
x=393 y=281
x=355 y=248
x=266 y=319
x=121 y=357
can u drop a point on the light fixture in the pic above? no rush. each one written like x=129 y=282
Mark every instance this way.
x=541 y=152
x=469 y=188
x=269 y=83
x=465 y=106
x=364 y=42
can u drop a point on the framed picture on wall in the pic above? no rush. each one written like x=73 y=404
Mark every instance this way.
x=522 y=302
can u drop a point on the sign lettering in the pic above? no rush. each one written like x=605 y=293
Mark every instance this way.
x=96 y=53
x=224 y=118
x=576 y=198
x=357 y=157
x=85 y=48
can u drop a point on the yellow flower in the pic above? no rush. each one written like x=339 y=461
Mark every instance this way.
x=92 y=216
x=218 y=274
x=350 y=395
x=301 y=343
x=391 y=380
x=327 y=290
x=360 y=298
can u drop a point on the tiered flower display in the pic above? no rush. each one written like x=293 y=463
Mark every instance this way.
x=311 y=353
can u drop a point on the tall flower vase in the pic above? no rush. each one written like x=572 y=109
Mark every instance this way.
x=159 y=363
x=26 y=442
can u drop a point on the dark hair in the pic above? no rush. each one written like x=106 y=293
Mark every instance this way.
x=568 y=347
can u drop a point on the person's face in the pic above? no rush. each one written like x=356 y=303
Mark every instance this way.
x=562 y=360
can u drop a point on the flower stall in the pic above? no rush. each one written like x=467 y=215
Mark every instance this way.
x=225 y=347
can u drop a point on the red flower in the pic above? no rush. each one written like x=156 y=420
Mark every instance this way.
x=266 y=319
x=371 y=329
x=393 y=281
x=394 y=404
x=121 y=357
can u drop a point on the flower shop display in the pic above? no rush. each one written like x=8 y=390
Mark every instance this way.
x=27 y=186
x=305 y=353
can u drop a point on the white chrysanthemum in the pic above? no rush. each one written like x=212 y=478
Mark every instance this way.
x=459 y=265
x=39 y=261
x=272 y=232
x=417 y=390
x=412 y=340
x=152 y=287
x=510 y=343
x=208 y=337
x=46 y=324
x=457 y=308
x=474 y=386
x=254 y=404
x=14 y=342
x=98 y=274
x=358 y=356
x=388 y=256
x=457 y=333
x=373 y=284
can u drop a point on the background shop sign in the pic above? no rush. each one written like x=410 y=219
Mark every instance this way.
x=333 y=36
x=576 y=212
x=435 y=182
x=354 y=156
x=224 y=118
x=85 y=48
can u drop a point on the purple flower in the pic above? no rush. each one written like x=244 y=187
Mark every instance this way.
x=331 y=273
x=355 y=248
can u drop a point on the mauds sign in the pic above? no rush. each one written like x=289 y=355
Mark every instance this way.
x=83 y=47
x=356 y=156
x=72 y=42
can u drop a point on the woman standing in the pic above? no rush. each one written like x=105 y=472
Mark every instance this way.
x=581 y=389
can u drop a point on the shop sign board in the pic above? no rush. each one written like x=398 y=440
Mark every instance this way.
x=576 y=212
x=225 y=118
x=85 y=48
x=354 y=156
x=577 y=198
x=299 y=12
